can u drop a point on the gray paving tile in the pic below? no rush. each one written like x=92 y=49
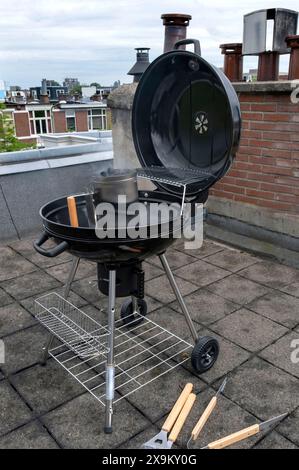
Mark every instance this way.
x=75 y=299
x=289 y=427
x=13 y=265
x=101 y=316
x=284 y=353
x=61 y=271
x=230 y=357
x=13 y=411
x=13 y=317
x=79 y=424
x=237 y=289
x=136 y=442
x=206 y=307
x=30 y=284
x=5 y=299
x=151 y=271
x=263 y=389
x=46 y=387
x=226 y=418
x=24 y=348
x=175 y=258
x=271 y=274
x=208 y=248
x=201 y=273
x=275 y=441
x=279 y=307
x=249 y=330
x=232 y=260
x=25 y=248
x=87 y=288
x=292 y=289
x=157 y=398
x=173 y=322
x=152 y=304
x=160 y=289
x=30 y=436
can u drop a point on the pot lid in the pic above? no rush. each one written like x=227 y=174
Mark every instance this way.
x=185 y=120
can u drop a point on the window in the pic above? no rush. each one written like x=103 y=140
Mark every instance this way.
x=70 y=120
x=97 y=119
x=59 y=92
x=40 y=122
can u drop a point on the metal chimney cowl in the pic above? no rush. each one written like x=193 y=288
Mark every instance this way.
x=255 y=34
x=175 y=29
x=142 y=62
x=44 y=98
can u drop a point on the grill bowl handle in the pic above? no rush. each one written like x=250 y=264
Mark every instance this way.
x=195 y=42
x=51 y=252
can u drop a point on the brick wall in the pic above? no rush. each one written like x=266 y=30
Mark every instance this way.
x=59 y=121
x=22 y=123
x=265 y=172
x=81 y=121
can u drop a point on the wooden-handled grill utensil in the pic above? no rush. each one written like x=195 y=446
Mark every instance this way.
x=71 y=204
x=174 y=421
x=206 y=414
x=245 y=433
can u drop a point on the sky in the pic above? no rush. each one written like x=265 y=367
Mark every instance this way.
x=94 y=40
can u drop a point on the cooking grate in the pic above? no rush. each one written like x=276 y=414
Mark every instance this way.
x=178 y=177
x=175 y=176
x=142 y=353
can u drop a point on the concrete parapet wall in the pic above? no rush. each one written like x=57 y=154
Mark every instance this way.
x=22 y=194
x=121 y=101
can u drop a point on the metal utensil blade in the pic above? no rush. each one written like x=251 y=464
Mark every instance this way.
x=222 y=387
x=159 y=441
x=266 y=425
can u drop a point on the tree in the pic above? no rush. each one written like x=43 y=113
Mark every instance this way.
x=75 y=90
x=53 y=83
x=8 y=141
x=96 y=84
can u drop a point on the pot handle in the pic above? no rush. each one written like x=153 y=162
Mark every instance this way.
x=50 y=253
x=195 y=42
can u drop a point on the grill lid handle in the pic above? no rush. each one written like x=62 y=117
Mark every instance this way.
x=51 y=252
x=195 y=42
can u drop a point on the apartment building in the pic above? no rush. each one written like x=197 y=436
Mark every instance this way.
x=32 y=119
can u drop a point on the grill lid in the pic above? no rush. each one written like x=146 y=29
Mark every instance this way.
x=186 y=116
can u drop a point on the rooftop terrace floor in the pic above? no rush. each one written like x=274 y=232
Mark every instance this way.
x=250 y=304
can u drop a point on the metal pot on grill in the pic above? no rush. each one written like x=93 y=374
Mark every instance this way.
x=114 y=183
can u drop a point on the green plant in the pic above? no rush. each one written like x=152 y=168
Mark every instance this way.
x=96 y=84
x=76 y=89
x=8 y=141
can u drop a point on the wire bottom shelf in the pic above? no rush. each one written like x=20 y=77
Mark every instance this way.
x=142 y=352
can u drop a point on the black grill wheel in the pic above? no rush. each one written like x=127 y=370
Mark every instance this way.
x=204 y=354
x=127 y=315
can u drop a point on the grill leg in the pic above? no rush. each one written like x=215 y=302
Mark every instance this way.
x=72 y=274
x=134 y=304
x=179 y=297
x=110 y=369
x=75 y=264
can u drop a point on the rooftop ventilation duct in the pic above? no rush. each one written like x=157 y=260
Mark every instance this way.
x=142 y=62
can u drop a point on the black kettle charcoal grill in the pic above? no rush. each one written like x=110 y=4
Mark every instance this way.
x=186 y=129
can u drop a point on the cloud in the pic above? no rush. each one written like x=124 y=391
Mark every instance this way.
x=94 y=40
